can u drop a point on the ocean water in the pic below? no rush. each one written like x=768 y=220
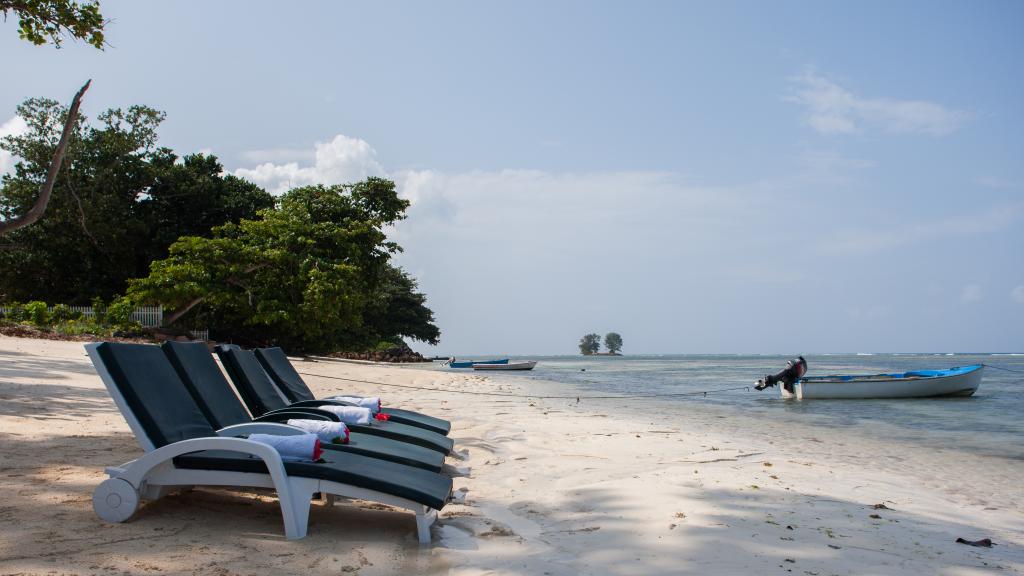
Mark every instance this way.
x=990 y=423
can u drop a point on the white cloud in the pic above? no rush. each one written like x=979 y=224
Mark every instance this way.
x=339 y=161
x=13 y=127
x=971 y=293
x=1017 y=294
x=831 y=109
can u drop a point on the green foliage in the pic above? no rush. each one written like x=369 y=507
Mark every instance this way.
x=37 y=313
x=99 y=310
x=613 y=342
x=118 y=203
x=590 y=344
x=16 y=313
x=63 y=313
x=119 y=313
x=312 y=274
x=42 y=21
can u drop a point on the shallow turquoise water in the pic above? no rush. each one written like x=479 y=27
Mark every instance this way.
x=991 y=422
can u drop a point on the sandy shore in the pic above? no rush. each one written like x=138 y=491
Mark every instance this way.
x=555 y=488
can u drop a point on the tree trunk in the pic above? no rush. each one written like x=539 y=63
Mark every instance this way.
x=183 y=310
x=37 y=210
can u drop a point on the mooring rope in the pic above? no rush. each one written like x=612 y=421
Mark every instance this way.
x=539 y=397
x=1006 y=369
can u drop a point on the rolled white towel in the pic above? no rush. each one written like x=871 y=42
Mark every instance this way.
x=371 y=402
x=325 y=430
x=349 y=414
x=297 y=448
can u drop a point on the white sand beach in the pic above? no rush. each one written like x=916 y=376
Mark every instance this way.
x=554 y=487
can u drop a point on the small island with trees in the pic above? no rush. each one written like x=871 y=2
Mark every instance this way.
x=590 y=344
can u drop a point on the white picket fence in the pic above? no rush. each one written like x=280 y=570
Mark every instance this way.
x=151 y=316
x=146 y=315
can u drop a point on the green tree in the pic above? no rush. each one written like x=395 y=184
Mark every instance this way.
x=119 y=203
x=42 y=21
x=313 y=274
x=613 y=342
x=590 y=344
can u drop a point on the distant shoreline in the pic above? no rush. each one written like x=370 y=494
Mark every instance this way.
x=603 y=354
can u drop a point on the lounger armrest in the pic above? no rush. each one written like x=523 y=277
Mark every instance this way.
x=285 y=415
x=259 y=428
x=138 y=470
x=325 y=402
x=308 y=411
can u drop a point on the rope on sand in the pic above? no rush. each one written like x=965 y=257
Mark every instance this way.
x=506 y=394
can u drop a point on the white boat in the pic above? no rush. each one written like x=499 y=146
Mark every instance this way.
x=509 y=366
x=961 y=381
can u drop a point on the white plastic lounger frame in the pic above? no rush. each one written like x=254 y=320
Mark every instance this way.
x=154 y=475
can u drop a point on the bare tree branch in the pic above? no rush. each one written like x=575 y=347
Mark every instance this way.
x=37 y=210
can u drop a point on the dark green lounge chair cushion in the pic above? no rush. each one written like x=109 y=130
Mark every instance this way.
x=154 y=393
x=252 y=382
x=204 y=380
x=414 y=484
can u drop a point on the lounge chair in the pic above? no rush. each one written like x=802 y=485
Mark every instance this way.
x=182 y=449
x=262 y=397
x=215 y=398
x=276 y=363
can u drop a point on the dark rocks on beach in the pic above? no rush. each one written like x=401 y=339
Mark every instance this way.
x=397 y=354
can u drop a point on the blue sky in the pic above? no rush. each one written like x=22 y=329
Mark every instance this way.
x=719 y=177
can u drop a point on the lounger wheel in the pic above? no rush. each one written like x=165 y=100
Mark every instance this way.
x=115 y=500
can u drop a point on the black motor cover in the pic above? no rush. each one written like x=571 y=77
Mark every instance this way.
x=795 y=369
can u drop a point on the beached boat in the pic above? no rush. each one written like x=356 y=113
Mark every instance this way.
x=469 y=364
x=506 y=366
x=961 y=381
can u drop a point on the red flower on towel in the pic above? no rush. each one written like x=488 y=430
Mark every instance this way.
x=317 y=451
x=382 y=417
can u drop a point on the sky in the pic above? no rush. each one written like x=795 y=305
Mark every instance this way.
x=726 y=177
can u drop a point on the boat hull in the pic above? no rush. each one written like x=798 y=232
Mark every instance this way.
x=470 y=364
x=925 y=384
x=509 y=366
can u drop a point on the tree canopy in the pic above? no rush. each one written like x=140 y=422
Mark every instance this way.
x=590 y=344
x=119 y=202
x=314 y=273
x=42 y=21
x=613 y=342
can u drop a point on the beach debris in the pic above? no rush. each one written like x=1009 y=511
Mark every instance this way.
x=789 y=527
x=983 y=543
x=459 y=496
x=766 y=464
x=497 y=530
x=672 y=526
x=834 y=547
x=875 y=516
x=680 y=515
x=881 y=507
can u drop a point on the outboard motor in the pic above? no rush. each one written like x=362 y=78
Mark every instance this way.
x=795 y=370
